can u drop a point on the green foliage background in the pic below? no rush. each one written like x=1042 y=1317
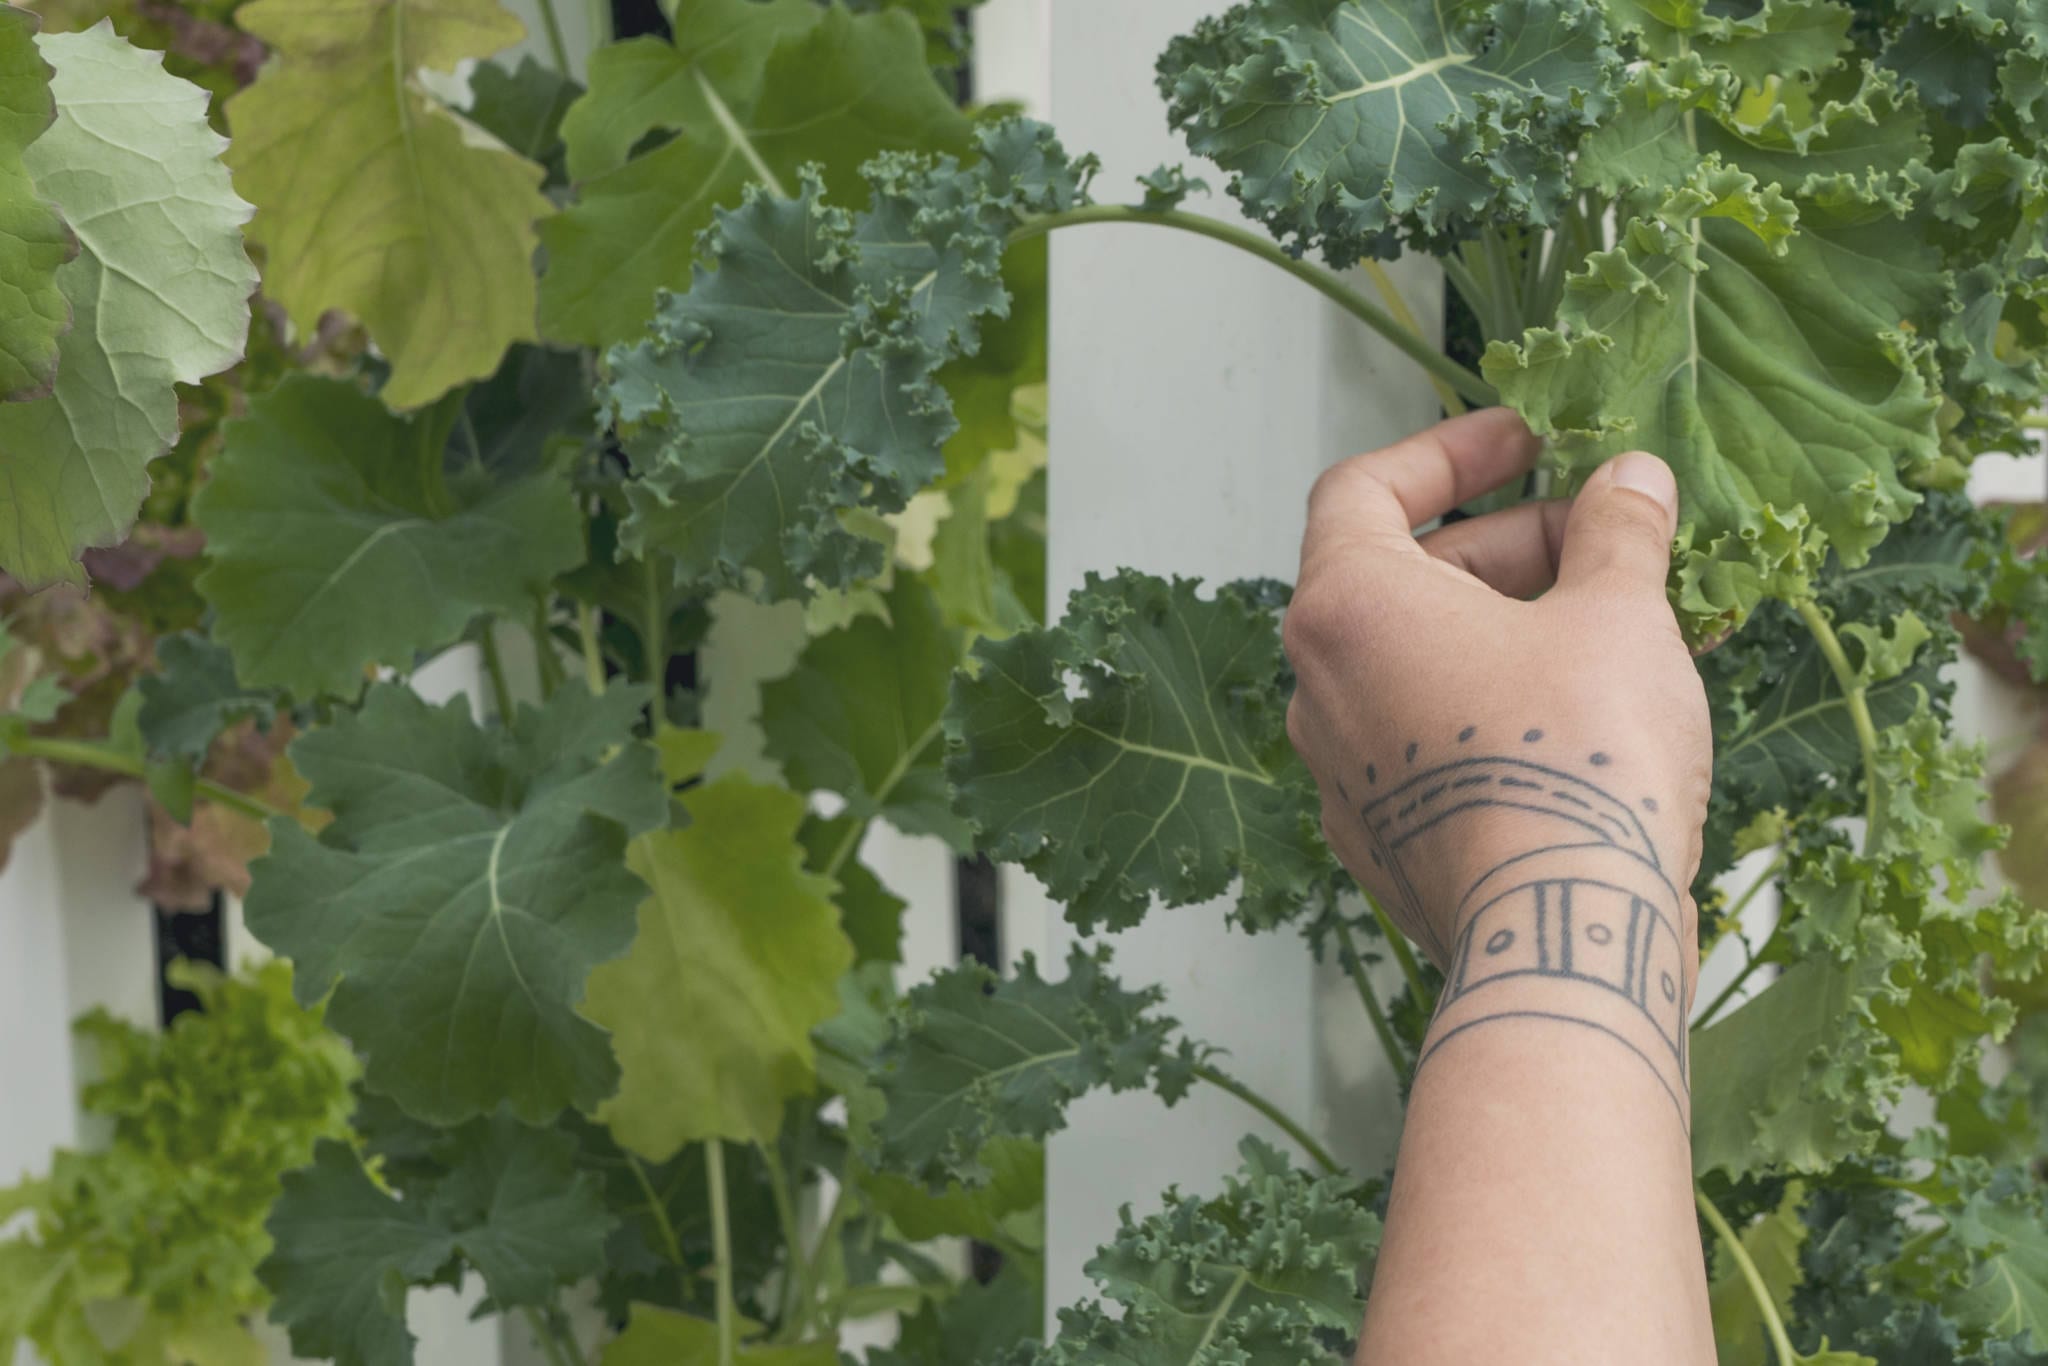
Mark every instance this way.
x=565 y=369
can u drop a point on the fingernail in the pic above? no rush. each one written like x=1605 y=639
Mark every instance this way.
x=1647 y=475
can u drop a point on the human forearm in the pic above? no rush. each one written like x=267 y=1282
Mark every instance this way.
x=1542 y=1206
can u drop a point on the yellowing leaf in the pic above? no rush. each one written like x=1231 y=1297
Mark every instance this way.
x=159 y=291
x=662 y=1337
x=737 y=959
x=373 y=198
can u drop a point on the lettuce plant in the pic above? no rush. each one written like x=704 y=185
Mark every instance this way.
x=751 y=309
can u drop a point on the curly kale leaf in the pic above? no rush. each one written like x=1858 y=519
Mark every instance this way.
x=971 y=1058
x=1165 y=772
x=1257 y=1275
x=469 y=882
x=795 y=379
x=1359 y=126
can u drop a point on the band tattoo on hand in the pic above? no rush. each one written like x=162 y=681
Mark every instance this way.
x=1584 y=915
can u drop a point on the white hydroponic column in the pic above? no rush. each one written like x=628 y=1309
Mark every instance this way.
x=1196 y=393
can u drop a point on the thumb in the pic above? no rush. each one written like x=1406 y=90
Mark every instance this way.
x=1621 y=525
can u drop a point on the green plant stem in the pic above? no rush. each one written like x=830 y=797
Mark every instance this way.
x=721 y=1250
x=1398 y=307
x=796 y=1285
x=494 y=667
x=88 y=754
x=1405 y=956
x=828 y=1246
x=1859 y=713
x=1467 y=284
x=1416 y=348
x=1315 y=1150
x=593 y=653
x=1755 y=959
x=545 y=660
x=544 y=1336
x=670 y=1243
x=552 y=23
x=1502 y=286
x=1774 y=1325
x=1354 y=968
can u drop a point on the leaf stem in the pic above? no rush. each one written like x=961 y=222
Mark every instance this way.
x=1755 y=959
x=1354 y=968
x=721 y=1249
x=1398 y=306
x=1315 y=1150
x=89 y=754
x=593 y=653
x=828 y=1246
x=670 y=1243
x=544 y=1336
x=546 y=660
x=1774 y=1325
x=1405 y=956
x=1859 y=714
x=560 y=50
x=796 y=1283
x=494 y=668
x=1417 y=349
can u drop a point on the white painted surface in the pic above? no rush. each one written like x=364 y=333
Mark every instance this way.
x=1196 y=393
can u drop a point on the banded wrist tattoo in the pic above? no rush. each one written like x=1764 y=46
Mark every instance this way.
x=1579 y=925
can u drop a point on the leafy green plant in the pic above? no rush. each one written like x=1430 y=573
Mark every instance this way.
x=622 y=989
x=144 y=1249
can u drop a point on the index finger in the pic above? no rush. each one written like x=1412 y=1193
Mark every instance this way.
x=1390 y=492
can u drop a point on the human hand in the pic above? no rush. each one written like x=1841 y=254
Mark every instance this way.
x=1479 y=745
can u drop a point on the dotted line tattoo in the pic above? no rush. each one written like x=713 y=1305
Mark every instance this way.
x=1585 y=914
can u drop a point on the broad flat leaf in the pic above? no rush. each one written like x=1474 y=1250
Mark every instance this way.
x=330 y=554
x=1253 y=1276
x=1776 y=38
x=735 y=962
x=996 y=1323
x=2008 y=1294
x=749 y=94
x=159 y=295
x=524 y=108
x=345 y=1251
x=869 y=912
x=193 y=696
x=1356 y=126
x=794 y=381
x=971 y=1059
x=374 y=199
x=511 y=1206
x=662 y=1337
x=33 y=239
x=1800 y=1076
x=1016 y=1186
x=469 y=882
x=860 y=716
x=1774 y=383
x=1167 y=770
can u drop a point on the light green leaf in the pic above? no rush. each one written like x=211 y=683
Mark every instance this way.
x=971 y=1059
x=1016 y=1185
x=1773 y=1243
x=2008 y=1294
x=33 y=239
x=1252 y=1276
x=1357 y=126
x=332 y=551
x=869 y=912
x=795 y=380
x=1166 y=772
x=373 y=198
x=1773 y=384
x=748 y=94
x=193 y=696
x=159 y=295
x=662 y=1337
x=860 y=716
x=1776 y=38
x=469 y=882
x=735 y=961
